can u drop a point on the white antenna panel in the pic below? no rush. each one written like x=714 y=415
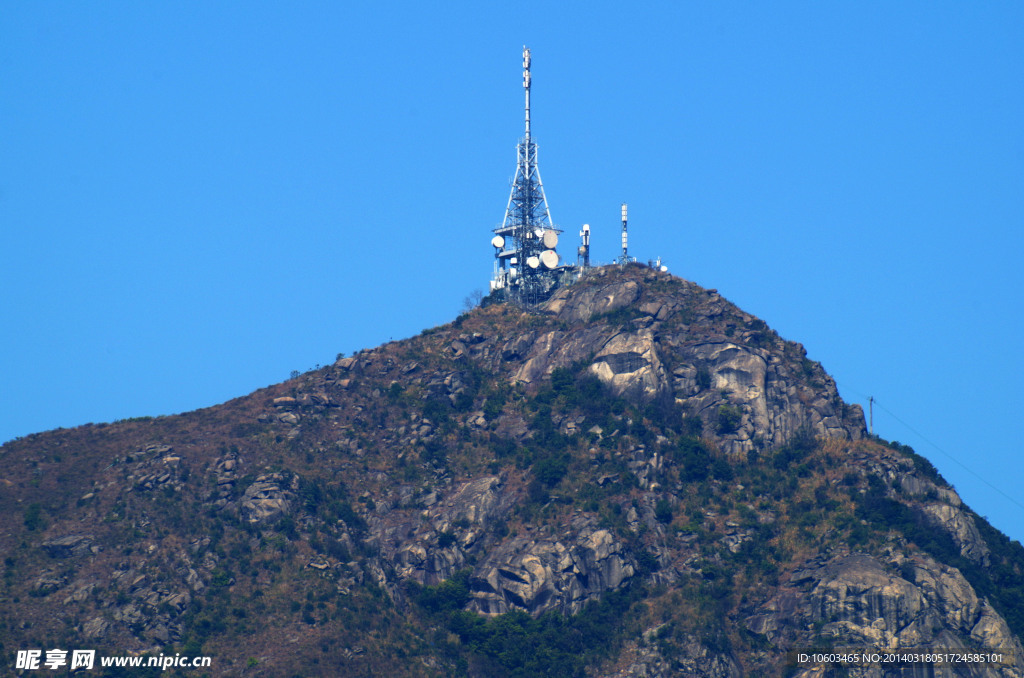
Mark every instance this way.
x=498 y=242
x=550 y=239
x=533 y=262
x=549 y=258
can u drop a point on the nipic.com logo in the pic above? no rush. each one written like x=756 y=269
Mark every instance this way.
x=54 y=659
x=75 y=660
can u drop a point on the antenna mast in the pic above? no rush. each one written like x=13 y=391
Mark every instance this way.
x=583 y=258
x=525 y=243
x=526 y=88
x=625 y=239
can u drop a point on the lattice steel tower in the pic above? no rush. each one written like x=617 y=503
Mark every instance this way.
x=526 y=265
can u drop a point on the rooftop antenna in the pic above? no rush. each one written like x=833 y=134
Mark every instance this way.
x=525 y=243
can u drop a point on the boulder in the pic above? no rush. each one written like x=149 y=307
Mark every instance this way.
x=71 y=545
x=268 y=498
x=629 y=364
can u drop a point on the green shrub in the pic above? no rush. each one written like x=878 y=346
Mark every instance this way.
x=663 y=511
x=537 y=492
x=33 y=518
x=695 y=458
x=693 y=426
x=344 y=511
x=451 y=594
x=799 y=447
x=729 y=419
x=703 y=378
x=516 y=645
x=551 y=469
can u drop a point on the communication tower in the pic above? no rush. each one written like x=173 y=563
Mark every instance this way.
x=583 y=258
x=526 y=266
x=625 y=258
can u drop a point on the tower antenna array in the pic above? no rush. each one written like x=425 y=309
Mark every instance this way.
x=624 y=259
x=526 y=264
x=584 y=251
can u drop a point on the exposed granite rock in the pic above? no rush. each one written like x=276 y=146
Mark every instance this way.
x=941 y=507
x=858 y=600
x=558 y=348
x=690 y=658
x=71 y=545
x=269 y=497
x=960 y=526
x=774 y=405
x=530 y=572
x=475 y=504
x=777 y=390
x=48 y=582
x=629 y=363
x=542 y=573
x=432 y=547
x=581 y=305
x=95 y=627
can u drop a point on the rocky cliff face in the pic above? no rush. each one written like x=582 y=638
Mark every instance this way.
x=888 y=602
x=719 y=356
x=637 y=458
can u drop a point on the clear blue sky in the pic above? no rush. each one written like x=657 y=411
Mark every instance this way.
x=197 y=198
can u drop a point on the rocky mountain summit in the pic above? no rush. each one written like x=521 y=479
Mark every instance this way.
x=635 y=479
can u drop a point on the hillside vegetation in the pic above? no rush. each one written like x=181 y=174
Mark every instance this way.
x=638 y=478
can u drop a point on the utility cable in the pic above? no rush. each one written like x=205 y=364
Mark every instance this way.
x=958 y=462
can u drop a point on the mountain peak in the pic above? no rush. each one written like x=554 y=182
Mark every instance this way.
x=651 y=336
x=633 y=478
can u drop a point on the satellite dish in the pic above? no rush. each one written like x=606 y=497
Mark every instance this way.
x=550 y=239
x=534 y=262
x=549 y=258
x=498 y=242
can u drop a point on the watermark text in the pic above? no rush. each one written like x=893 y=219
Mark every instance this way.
x=85 y=660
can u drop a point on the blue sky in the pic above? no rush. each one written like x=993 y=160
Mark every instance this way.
x=197 y=198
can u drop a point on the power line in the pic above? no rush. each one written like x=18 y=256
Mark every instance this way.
x=874 y=402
